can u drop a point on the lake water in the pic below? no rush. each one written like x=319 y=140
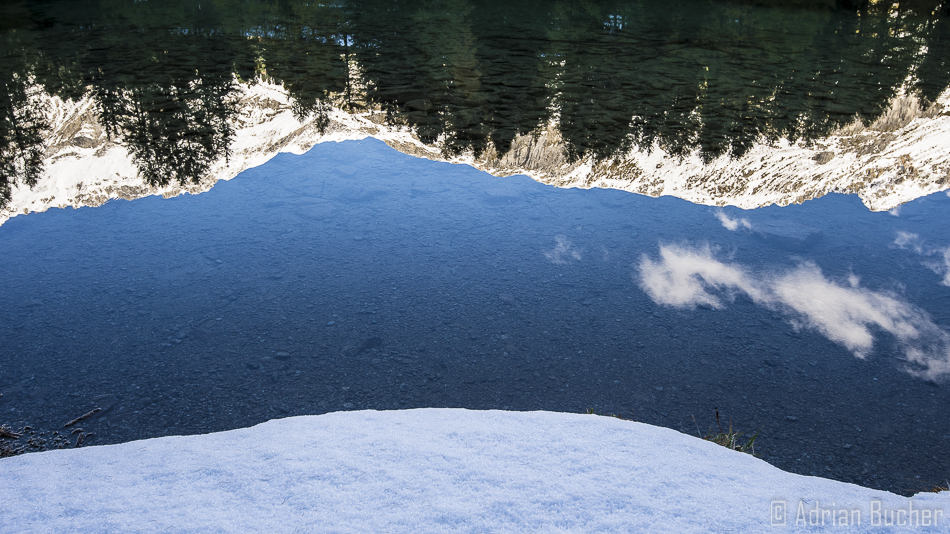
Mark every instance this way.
x=355 y=277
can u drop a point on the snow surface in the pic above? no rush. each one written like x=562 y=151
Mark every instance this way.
x=435 y=470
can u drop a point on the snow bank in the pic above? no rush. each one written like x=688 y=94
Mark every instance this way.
x=438 y=470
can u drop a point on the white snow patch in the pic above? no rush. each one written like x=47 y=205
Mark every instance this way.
x=435 y=470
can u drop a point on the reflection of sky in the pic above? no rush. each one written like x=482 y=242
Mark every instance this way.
x=687 y=276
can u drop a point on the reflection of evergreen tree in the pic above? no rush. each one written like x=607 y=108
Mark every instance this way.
x=148 y=69
x=23 y=123
x=157 y=91
x=452 y=78
x=421 y=63
x=933 y=73
x=174 y=134
x=306 y=52
x=473 y=74
x=719 y=76
x=715 y=75
x=451 y=72
x=392 y=64
x=511 y=67
x=596 y=73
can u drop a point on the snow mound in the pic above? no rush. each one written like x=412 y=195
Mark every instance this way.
x=435 y=470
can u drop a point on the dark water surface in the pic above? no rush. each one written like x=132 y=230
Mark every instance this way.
x=354 y=277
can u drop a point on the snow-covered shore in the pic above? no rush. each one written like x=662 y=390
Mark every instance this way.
x=439 y=470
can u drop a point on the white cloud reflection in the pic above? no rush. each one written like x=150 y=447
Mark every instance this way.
x=563 y=251
x=940 y=257
x=844 y=313
x=687 y=277
x=732 y=224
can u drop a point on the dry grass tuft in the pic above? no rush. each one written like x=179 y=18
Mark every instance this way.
x=729 y=439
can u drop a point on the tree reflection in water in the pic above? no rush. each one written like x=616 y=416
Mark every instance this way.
x=469 y=75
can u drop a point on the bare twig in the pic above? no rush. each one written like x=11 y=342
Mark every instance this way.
x=83 y=416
